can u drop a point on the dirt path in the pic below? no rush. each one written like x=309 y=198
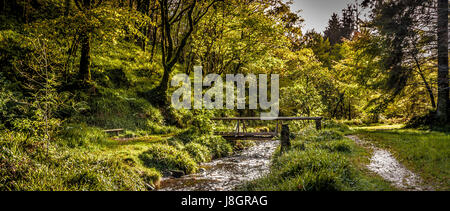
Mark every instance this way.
x=384 y=164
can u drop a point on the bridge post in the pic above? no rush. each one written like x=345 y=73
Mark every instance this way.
x=318 y=124
x=285 y=142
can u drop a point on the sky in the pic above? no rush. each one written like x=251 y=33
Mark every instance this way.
x=317 y=12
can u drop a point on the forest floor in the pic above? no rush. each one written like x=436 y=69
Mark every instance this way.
x=426 y=153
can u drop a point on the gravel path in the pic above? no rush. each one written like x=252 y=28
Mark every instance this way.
x=384 y=164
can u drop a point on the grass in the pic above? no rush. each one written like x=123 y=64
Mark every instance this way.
x=162 y=157
x=320 y=161
x=27 y=164
x=426 y=153
x=378 y=127
x=82 y=157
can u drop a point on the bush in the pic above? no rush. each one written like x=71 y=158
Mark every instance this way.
x=217 y=145
x=158 y=128
x=242 y=144
x=198 y=152
x=179 y=145
x=164 y=157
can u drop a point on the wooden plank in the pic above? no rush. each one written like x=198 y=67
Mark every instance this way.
x=117 y=131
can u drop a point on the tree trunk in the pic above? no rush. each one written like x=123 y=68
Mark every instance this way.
x=427 y=86
x=85 y=59
x=67 y=4
x=443 y=88
x=164 y=84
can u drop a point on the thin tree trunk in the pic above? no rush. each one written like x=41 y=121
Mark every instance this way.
x=67 y=4
x=85 y=59
x=427 y=86
x=443 y=88
x=155 y=30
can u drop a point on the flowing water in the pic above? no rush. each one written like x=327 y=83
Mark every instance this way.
x=226 y=173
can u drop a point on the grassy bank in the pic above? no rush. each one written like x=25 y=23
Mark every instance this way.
x=85 y=158
x=426 y=153
x=28 y=163
x=320 y=161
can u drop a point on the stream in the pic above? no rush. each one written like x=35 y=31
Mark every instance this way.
x=226 y=173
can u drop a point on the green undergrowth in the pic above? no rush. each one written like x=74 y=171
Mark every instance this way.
x=28 y=163
x=161 y=157
x=114 y=98
x=319 y=161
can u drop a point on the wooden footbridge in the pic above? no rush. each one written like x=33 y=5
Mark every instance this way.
x=239 y=134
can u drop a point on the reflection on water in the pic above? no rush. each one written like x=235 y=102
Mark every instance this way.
x=226 y=173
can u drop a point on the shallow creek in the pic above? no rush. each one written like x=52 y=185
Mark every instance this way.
x=226 y=173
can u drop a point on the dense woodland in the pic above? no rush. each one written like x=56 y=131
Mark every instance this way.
x=72 y=68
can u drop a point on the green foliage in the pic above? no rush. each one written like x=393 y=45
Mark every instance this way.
x=242 y=144
x=198 y=152
x=201 y=123
x=366 y=78
x=25 y=165
x=217 y=145
x=299 y=93
x=163 y=158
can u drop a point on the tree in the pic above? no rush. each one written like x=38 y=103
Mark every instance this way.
x=442 y=112
x=349 y=21
x=409 y=32
x=177 y=17
x=333 y=30
x=85 y=38
x=338 y=29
